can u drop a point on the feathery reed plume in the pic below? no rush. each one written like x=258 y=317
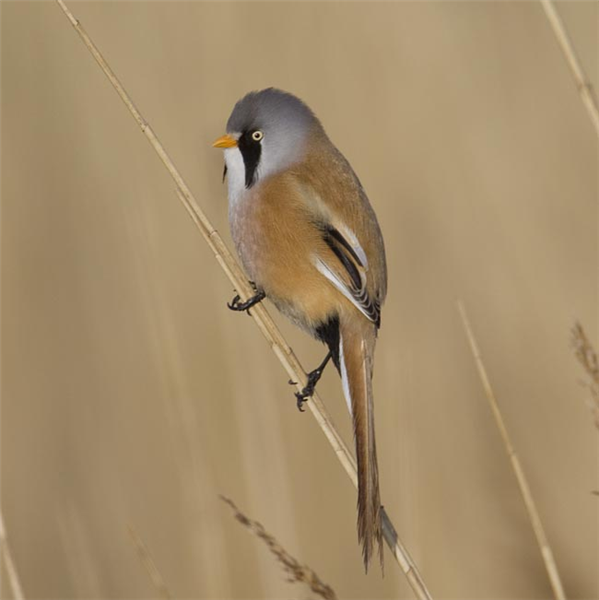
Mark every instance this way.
x=261 y=317
x=296 y=572
x=533 y=513
x=11 y=571
x=148 y=562
x=587 y=357
x=582 y=83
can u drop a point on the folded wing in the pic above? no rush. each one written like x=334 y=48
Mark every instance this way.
x=346 y=267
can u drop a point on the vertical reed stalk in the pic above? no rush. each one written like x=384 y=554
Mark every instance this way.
x=533 y=513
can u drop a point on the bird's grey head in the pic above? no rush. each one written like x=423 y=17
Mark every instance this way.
x=267 y=132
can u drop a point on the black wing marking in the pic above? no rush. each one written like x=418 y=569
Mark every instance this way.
x=357 y=273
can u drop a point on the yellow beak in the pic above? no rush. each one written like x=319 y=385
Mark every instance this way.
x=225 y=141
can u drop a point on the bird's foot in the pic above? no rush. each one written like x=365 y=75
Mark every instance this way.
x=308 y=390
x=313 y=379
x=237 y=305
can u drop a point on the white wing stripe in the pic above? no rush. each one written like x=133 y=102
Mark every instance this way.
x=339 y=284
x=349 y=235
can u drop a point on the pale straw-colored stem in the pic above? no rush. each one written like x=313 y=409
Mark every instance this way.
x=261 y=317
x=149 y=565
x=11 y=571
x=533 y=513
x=582 y=83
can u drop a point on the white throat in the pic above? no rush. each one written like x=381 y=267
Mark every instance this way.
x=235 y=174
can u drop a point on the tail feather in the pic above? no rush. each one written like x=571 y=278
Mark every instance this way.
x=356 y=352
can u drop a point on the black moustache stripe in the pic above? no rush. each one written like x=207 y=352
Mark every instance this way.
x=250 y=151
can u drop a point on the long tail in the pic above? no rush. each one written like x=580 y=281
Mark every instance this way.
x=357 y=339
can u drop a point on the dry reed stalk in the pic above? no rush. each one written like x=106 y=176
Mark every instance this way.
x=261 y=317
x=587 y=357
x=582 y=83
x=148 y=562
x=11 y=570
x=296 y=572
x=533 y=513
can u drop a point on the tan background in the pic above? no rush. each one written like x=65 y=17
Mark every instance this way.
x=131 y=395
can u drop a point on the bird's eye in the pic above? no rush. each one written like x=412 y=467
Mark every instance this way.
x=257 y=135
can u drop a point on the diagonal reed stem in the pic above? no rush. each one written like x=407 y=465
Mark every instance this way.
x=582 y=83
x=14 y=582
x=261 y=317
x=533 y=513
x=149 y=565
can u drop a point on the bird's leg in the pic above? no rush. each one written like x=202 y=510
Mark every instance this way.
x=237 y=305
x=313 y=378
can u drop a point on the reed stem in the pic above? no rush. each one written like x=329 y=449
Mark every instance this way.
x=531 y=508
x=582 y=83
x=14 y=582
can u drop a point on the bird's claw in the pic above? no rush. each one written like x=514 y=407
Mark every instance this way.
x=301 y=399
x=237 y=305
x=233 y=304
x=306 y=393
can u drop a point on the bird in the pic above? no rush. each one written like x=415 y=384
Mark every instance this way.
x=310 y=242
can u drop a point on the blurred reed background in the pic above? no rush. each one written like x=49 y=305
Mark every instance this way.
x=132 y=397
